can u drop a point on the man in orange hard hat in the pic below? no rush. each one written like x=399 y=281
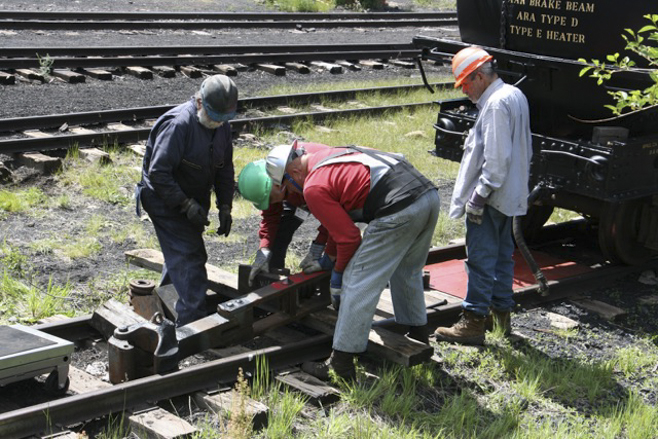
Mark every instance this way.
x=491 y=188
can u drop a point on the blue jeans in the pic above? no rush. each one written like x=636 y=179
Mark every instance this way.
x=489 y=263
x=185 y=257
x=394 y=248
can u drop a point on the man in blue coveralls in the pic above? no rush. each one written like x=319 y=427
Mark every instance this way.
x=189 y=152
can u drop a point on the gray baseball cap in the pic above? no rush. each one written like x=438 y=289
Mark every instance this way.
x=219 y=96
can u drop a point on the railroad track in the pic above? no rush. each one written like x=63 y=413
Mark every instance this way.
x=75 y=64
x=21 y=20
x=71 y=410
x=17 y=140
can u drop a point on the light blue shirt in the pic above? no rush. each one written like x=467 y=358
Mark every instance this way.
x=497 y=153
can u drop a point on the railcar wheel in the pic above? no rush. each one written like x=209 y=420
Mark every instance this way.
x=619 y=227
x=52 y=384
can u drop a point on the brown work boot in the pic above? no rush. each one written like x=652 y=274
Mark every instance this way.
x=500 y=319
x=342 y=363
x=419 y=333
x=468 y=330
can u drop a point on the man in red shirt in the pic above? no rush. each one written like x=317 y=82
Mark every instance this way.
x=345 y=185
x=282 y=213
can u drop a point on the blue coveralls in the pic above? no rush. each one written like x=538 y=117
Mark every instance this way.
x=183 y=160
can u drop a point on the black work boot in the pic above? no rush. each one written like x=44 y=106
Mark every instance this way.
x=468 y=330
x=501 y=319
x=419 y=333
x=342 y=363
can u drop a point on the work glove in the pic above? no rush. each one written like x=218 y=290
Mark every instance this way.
x=261 y=263
x=323 y=264
x=194 y=212
x=335 y=288
x=475 y=208
x=314 y=253
x=225 y=220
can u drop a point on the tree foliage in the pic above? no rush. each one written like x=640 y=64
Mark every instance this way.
x=636 y=42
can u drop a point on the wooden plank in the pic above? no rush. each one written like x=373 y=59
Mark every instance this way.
x=376 y=65
x=83 y=382
x=271 y=68
x=400 y=63
x=164 y=71
x=157 y=423
x=226 y=403
x=139 y=72
x=118 y=126
x=7 y=79
x=69 y=76
x=95 y=155
x=605 y=310
x=285 y=335
x=331 y=68
x=381 y=342
x=30 y=74
x=40 y=162
x=137 y=148
x=225 y=69
x=298 y=67
x=113 y=314
x=100 y=74
x=349 y=65
x=219 y=280
x=36 y=134
x=153 y=422
x=317 y=391
x=191 y=72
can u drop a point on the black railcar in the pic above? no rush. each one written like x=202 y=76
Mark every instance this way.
x=584 y=159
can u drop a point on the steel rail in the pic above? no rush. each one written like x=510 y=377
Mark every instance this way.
x=125 y=396
x=72 y=63
x=16 y=52
x=106 y=116
x=37 y=419
x=134 y=25
x=271 y=16
x=129 y=136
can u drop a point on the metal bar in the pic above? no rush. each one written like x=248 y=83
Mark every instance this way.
x=42 y=417
x=131 y=25
x=39 y=15
x=193 y=50
x=69 y=62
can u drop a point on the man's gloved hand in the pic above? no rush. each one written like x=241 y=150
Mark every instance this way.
x=335 y=288
x=194 y=212
x=323 y=264
x=225 y=220
x=261 y=263
x=314 y=253
x=475 y=208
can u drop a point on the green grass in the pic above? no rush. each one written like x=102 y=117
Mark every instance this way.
x=301 y=5
x=113 y=184
x=21 y=200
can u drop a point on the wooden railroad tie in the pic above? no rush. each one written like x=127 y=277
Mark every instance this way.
x=68 y=75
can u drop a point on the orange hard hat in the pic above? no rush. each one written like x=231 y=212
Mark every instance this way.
x=466 y=61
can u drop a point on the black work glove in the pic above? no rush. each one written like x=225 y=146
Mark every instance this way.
x=194 y=212
x=225 y=220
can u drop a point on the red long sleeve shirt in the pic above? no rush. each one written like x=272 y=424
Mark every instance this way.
x=331 y=192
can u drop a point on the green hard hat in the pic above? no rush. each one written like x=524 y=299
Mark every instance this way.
x=255 y=185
